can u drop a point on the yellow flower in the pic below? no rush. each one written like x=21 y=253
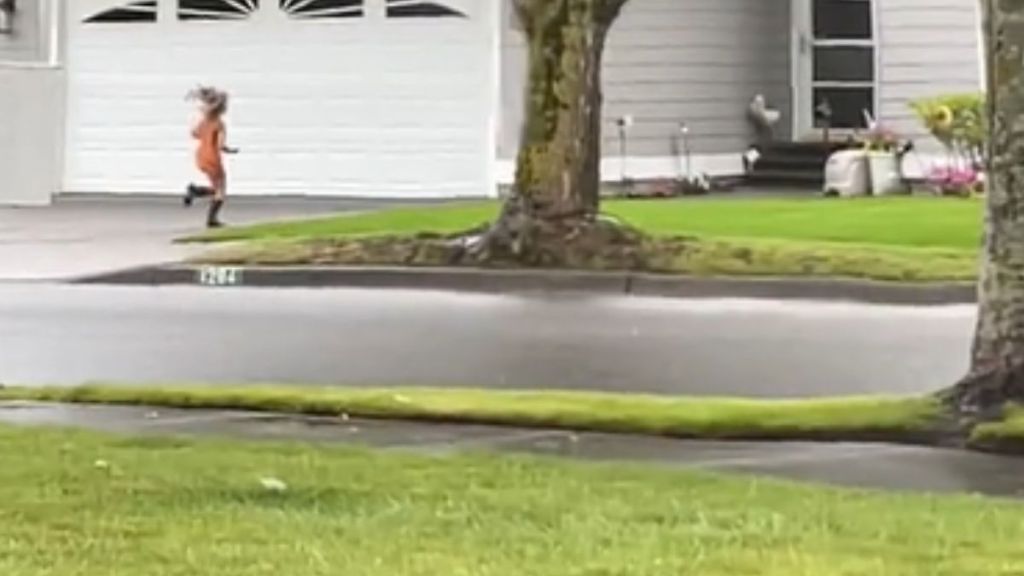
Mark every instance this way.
x=943 y=118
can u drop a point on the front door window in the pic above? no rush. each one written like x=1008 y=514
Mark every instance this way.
x=842 y=66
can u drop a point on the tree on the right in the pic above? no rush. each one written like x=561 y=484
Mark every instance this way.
x=996 y=374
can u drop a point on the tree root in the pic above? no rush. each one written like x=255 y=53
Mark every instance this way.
x=982 y=395
x=555 y=241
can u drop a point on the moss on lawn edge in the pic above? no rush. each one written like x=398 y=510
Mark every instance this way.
x=694 y=257
x=898 y=419
x=1006 y=435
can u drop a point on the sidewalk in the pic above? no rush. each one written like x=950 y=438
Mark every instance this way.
x=87 y=235
x=852 y=465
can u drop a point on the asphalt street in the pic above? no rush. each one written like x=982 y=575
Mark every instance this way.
x=60 y=334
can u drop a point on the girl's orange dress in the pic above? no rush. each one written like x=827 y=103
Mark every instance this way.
x=208 y=153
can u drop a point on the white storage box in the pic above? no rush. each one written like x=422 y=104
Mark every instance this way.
x=846 y=174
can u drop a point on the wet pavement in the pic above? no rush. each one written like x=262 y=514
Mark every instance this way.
x=85 y=235
x=899 y=468
x=59 y=334
x=67 y=335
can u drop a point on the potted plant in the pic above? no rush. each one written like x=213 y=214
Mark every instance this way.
x=884 y=151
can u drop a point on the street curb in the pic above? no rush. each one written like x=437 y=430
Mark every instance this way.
x=511 y=281
x=829 y=290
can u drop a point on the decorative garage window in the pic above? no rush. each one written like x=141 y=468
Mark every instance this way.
x=134 y=12
x=217 y=9
x=317 y=9
x=421 y=9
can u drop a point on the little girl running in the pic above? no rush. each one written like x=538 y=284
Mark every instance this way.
x=211 y=135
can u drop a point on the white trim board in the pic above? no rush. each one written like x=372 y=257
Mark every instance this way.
x=982 y=49
x=649 y=167
x=497 y=8
x=916 y=166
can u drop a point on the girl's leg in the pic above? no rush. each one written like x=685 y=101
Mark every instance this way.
x=193 y=191
x=219 y=184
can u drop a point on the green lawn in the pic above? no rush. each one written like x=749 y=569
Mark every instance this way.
x=1009 y=431
x=443 y=218
x=892 y=417
x=895 y=239
x=907 y=222
x=84 y=504
x=752 y=257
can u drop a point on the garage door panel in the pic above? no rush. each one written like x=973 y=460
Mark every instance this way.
x=359 y=164
x=144 y=81
x=132 y=114
x=351 y=166
x=372 y=144
x=138 y=172
x=363 y=106
x=339 y=174
x=403 y=129
x=128 y=86
x=386 y=62
x=126 y=141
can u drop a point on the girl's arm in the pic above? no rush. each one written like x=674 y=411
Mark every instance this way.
x=222 y=141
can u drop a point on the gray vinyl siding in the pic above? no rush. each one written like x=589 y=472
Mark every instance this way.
x=927 y=48
x=672 y=61
x=28 y=43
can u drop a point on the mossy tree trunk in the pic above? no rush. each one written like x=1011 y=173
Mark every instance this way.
x=558 y=169
x=996 y=375
x=557 y=183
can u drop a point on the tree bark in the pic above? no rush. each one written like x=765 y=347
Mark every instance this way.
x=558 y=167
x=996 y=374
x=556 y=196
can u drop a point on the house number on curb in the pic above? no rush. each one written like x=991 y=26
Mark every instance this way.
x=219 y=276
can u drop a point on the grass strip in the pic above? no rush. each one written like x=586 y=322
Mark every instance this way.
x=711 y=418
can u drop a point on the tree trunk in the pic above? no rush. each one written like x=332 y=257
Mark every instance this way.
x=558 y=168
x=557 y=185
x=997 y=358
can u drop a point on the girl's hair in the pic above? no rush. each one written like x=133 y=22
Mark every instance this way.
x=214 y=101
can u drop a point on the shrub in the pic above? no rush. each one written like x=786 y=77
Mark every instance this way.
x=958 y=122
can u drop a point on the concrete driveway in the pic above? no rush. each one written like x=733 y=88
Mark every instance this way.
x=84 y=235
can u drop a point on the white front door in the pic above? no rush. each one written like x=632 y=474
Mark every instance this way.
x=834 y=64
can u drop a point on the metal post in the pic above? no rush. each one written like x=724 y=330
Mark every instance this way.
x=624 y=124
x=684 y=131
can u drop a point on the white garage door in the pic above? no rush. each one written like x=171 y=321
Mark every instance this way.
x=385 y=98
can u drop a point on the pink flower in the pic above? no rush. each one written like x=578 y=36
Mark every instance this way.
x=955 y=178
